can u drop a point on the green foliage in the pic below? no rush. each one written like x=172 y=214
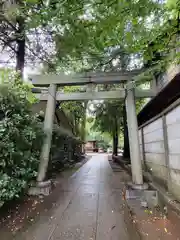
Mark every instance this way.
x=92 y=32
x=76 y=110
x=21 y=138
x=59 y=153
x=84 y=31
x=106 y=115
x=109 y=119
x=103 y=144
x=65 y=152
x=75 y=107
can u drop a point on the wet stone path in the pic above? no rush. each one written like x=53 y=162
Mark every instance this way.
x=90 y=207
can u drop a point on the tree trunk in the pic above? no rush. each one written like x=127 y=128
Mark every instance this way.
x=115 y=138
x=83 y=123
x=83 y=127
x=20 y=54
x=126 y=153
x=76 y=125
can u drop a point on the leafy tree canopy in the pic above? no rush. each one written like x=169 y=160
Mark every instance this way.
x=94 y=29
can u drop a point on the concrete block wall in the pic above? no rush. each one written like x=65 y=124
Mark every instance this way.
x=160 y=148
x=154 y=150
x=173 y=135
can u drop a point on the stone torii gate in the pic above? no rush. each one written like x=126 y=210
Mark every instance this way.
x=54 y=81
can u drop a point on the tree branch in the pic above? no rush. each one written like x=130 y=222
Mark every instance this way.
x=3 y=18
x=7 y=43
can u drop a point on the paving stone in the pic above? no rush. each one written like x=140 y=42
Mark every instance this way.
x=91 y=207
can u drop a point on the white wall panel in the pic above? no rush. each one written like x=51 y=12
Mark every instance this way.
x=173 y=116
x=140 y=137
x=173 y=131
x=154 y=147
x=174 y=146
x=155 y=158
x=154 y=136
x=153 y=126
x=174 y=161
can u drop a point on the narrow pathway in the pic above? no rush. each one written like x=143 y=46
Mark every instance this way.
x=90 y=207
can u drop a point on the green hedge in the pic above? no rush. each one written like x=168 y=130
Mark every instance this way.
x=21 y=139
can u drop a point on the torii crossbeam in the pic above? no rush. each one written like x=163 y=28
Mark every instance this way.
x=101 y=95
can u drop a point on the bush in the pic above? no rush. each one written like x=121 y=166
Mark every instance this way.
x=21 y=138
x=65 y=152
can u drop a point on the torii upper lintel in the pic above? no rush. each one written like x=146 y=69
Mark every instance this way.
x=84 y=78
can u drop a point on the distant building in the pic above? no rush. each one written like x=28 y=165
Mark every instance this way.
x=91 y=146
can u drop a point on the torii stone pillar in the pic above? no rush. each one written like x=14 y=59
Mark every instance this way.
x=136 y=165
x=48 y=129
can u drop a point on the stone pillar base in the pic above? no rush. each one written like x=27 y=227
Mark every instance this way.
x=40 y=188
x=134 y=186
